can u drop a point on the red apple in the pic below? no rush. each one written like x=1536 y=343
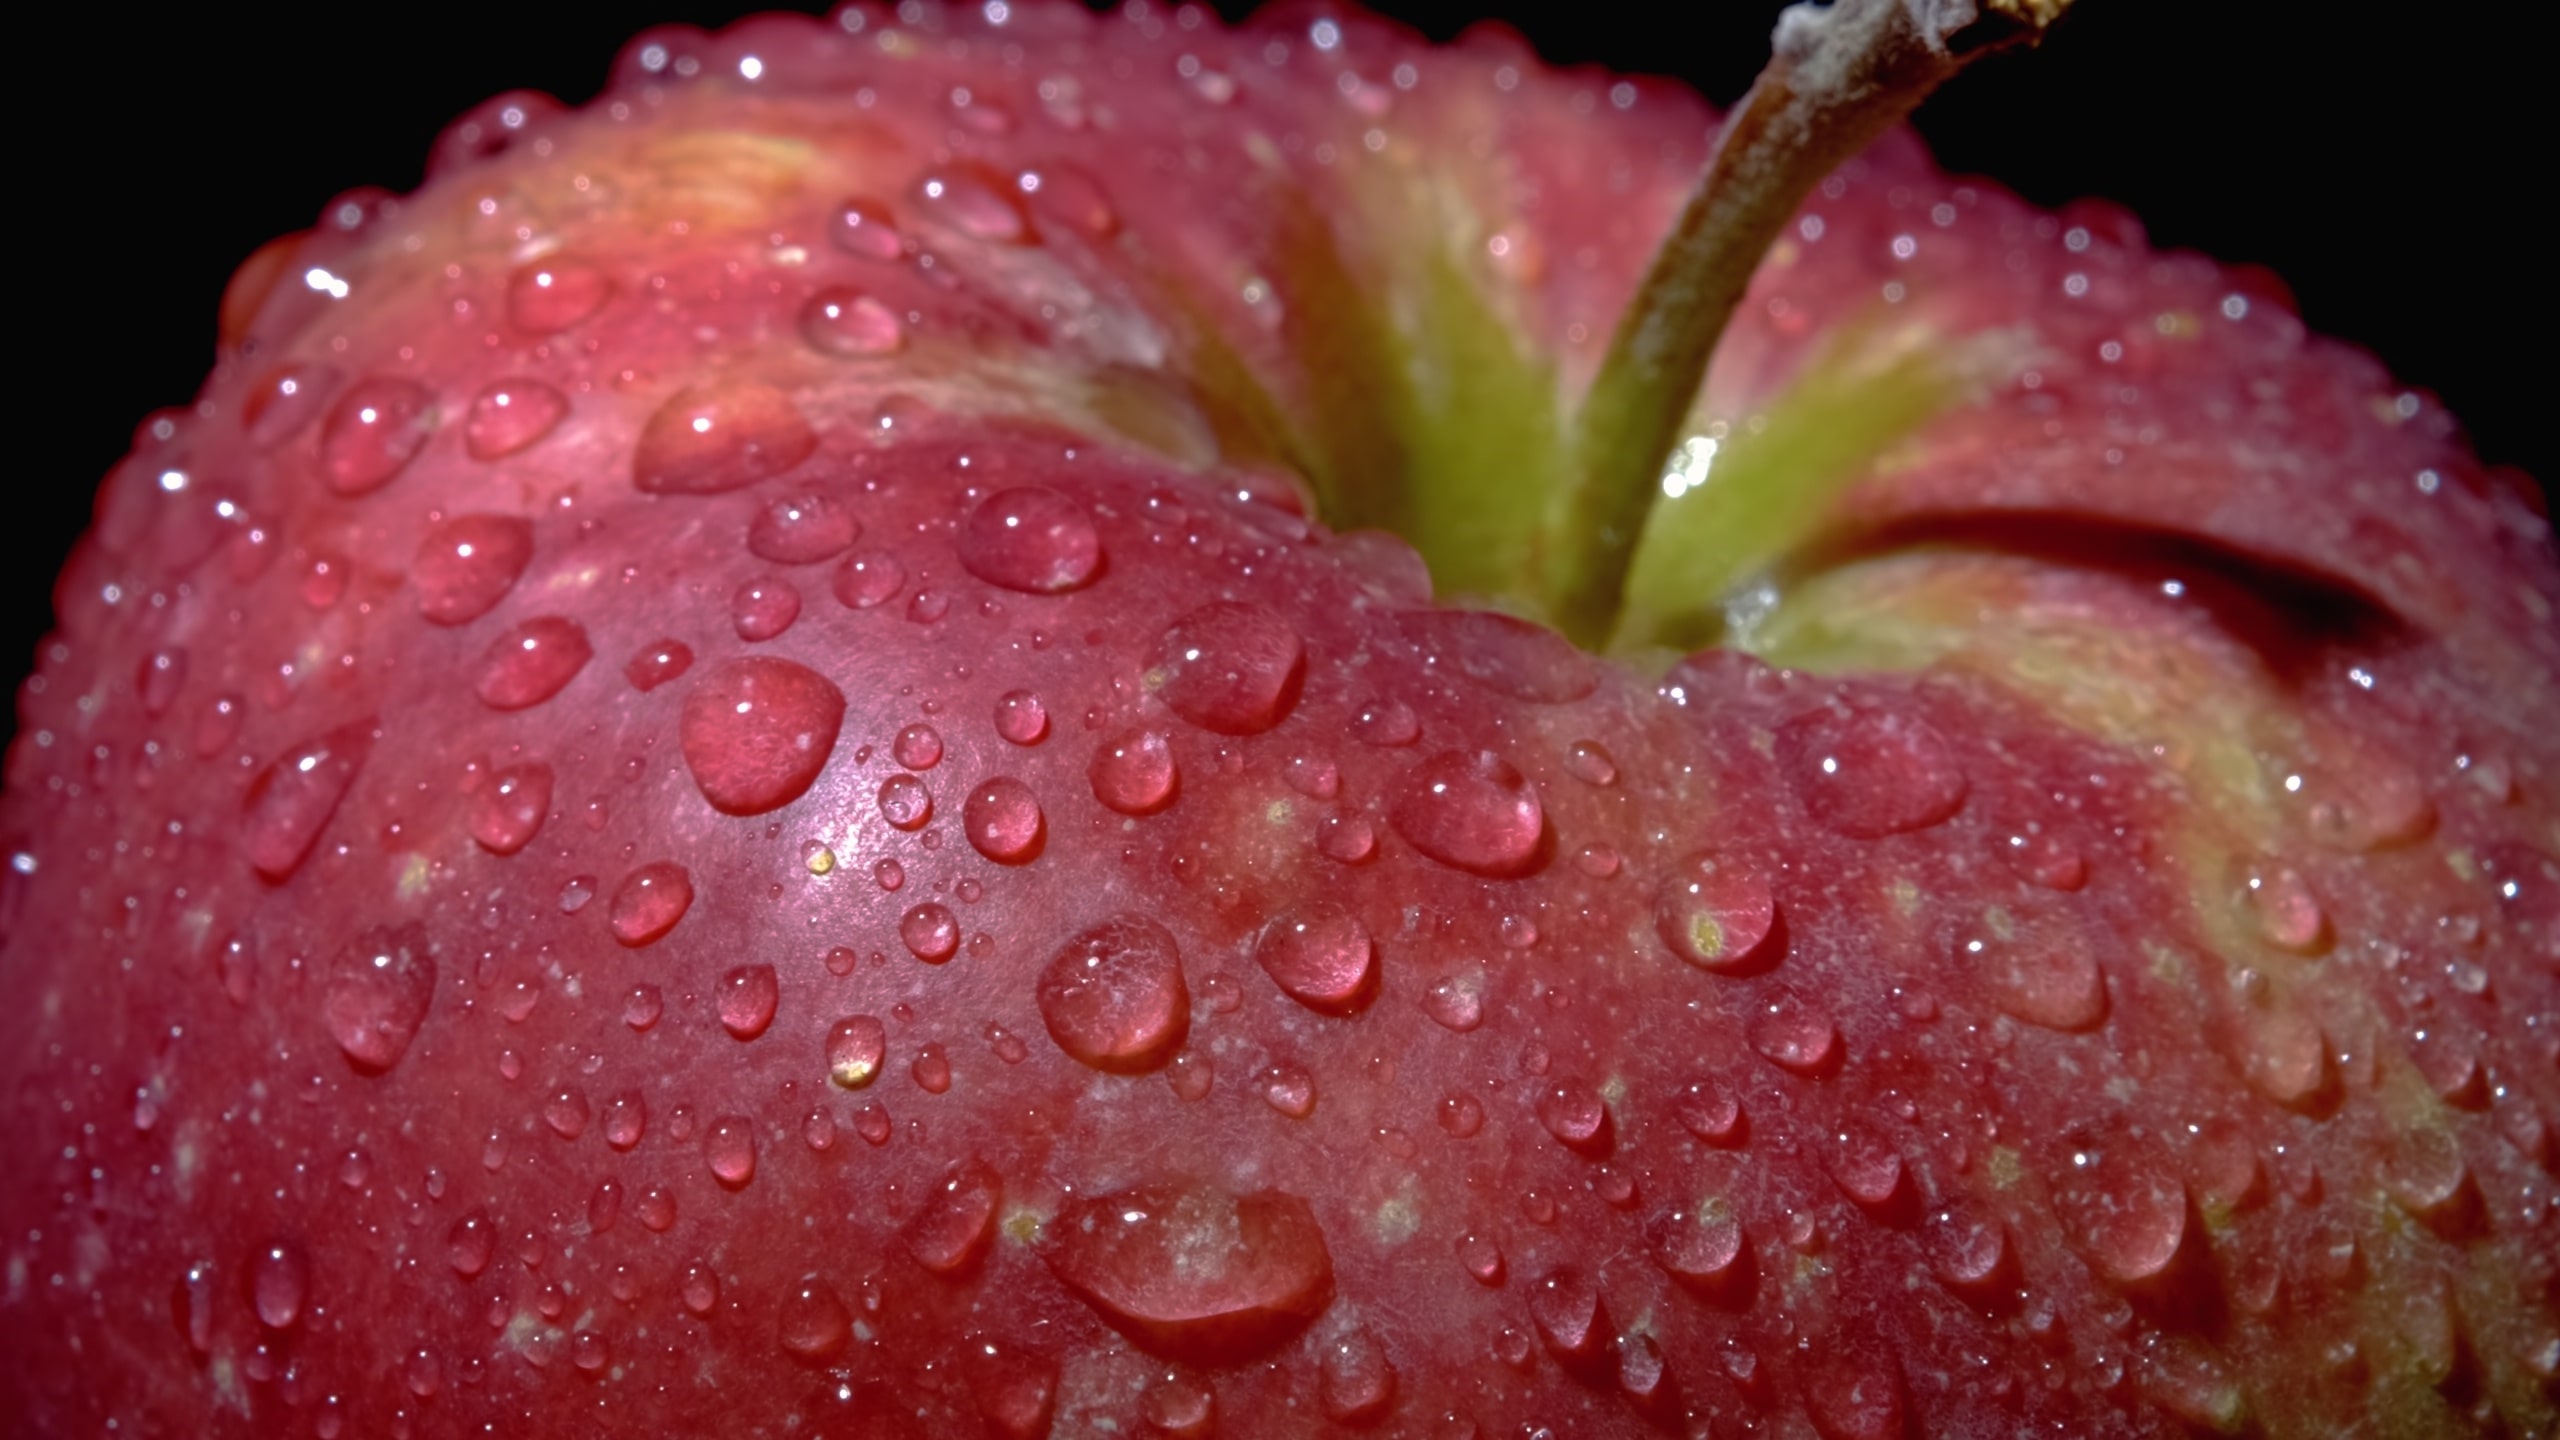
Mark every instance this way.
x=761 y=765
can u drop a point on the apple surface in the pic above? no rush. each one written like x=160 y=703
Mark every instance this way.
x=856 y=743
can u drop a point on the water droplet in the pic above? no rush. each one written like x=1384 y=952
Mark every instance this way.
x=1505 y=655
x=285 y=400
x=1795 y=1036
x=1181 y=1407
x=2049 y=860
x=1571 y=1322
x=729 y=1147
x=749 y=995
x=950 y=1234
x=1461 y=1114
x=762 y=608
x=844 y=322
x=372 y=433
x=626 y=1119
x=1590 y=762
x=511 y=415
x=531 y=662
x=1021 y=719
x=1113 y=997
x=1456 y=1002
x=756 y=732
x=649 y=902
x=642 y=1007
x=279 y=1280
x=1866 y=1168
x=471 y=1244
x=1710 y=1112
x=1704 y=1249
x=869 y=578
x=467 y=565
x=1483 y=1259
x=1003 y=821
x=1388 y=724
x=1347 y=836
x=1472 y=812
x=855 y=1048
x=918 y=747
x=378 y=995
x=292 y=799
x=699 y=1289
x=656 y=1209
x=928 y=606
x=977 y=206
x=1969 y=1256
x=707 y=439
x=815 y=1327
x=1288 y=1089
x=1871 y=772
x=1320 y=955
x=932 y=933
x=866 y=228
x=1033 y=539
x=2285 y=1054
x=1231 y=667
x=552 y=295
x=802 y=529
x=566 y=1113
x=2043 y=976
x=1135 y=774
x=1573 y=1114
x=1856 y=1397
x=1717 y=914
x=2427 y=1174
x=2127 y=1218
x=1354 y=1382
x=932 y=1069
x=2289 y=916
x=159 y=677
x=656 y=663
x=509 y=810
x=1195 y=1275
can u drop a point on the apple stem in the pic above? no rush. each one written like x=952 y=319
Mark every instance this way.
x=1837 y=77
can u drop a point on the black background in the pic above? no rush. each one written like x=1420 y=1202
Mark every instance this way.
x=2383 y=168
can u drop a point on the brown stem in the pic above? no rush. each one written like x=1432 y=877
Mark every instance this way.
x=1837 y=78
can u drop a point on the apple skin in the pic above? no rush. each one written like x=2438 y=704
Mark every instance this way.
x=375 y=1058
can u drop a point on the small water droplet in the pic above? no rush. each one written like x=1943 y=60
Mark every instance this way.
x=1717 y=914
x=1710 y=1112
x=549 y=296
x=291 y=800
x=1461 y=1114
x=844 y=322
x=378 y=995
x=1230 y=667
x=815 y=1327
x=1288 y=1088
x=2288 y=915
x=1968 y=1255
x=918 y=747
x=708 y=439
x=656 y=663
x=1457 y=1001
x=729 y=1147
x=905 y=804
x=511 y=415
x=802 y=529
x=1003 y=821
x=749 y=995
x=1472 y=811
x=1021 y=719
x=763 y=608
x=1573 y=1114
x=656 y=1209
x=927 y=606
x=978 y=206
x=866 y=228
x=1320 y=955
x=1508 y=656
x=1704 y=1249
x=1113 y=997
x=285 y=400
x=279 y=1281
x=1032 y=539
x=1181 y=1407
x=1346 y=836
x=950 y=1234
x=2042 y=976
x=373 y=432
x=856 y=1046
x=159 y=677
x=931 y=932
x=1388 y=724
x=1872 y=772
x=1354 y=1383
x=649 y=902
x=509 y=809
x=757 y=731
x=2127 y=1218
x=869 y=578
x=1795 y=1036
x=626 y=1119
x=1565 y=1308
x=470 y=1244
x=531 y=662
x=1195 y=1275
x=699 y=1289
x=566 y=1113
x=1590 y=762
x=466 y=565
x=1135 y=774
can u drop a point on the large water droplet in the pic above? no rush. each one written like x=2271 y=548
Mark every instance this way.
x=279 y=1281
x=1321 y=956
x=729 y=1148
x=1354 y=1383
x=511 y=415
x=531 y=662
x=378 y=995
x=2127 y=1218
x=1969 y=1255
x=467 y=565
x=373 y=432
x=1508 y=656
x=866 y=228
x=1717 y=914
x=802 y=529
x=756 y=732
x=707 y=439
x=1031 y=538
x=552 y=295
x=1003 y=821
x=1196 y=1275
x=814 y=1327
x=1231 y=667
x=762 y=608
x=509 y=810
x=749 y=995
x=1113 y=997
x=649 y=902
x=1472 y=811
x=917 y=746
x=1021 y=719
x=1871 y=772
x=1135 y=774
x=1574 y=1115
x=855 y=1048
x=844 y=322
x=931 y=932
x=950 y=1234
x=292 y=799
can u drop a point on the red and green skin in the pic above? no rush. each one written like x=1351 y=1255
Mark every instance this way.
x=2135 y=715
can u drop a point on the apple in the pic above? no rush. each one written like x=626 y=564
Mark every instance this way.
x=857 y=742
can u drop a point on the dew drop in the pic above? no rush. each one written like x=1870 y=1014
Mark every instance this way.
x=372 y=433
x=1472 y=812
x=1871 y=772
x=802 y=529
x=708 y=439
x=285 y=400
x=1003 y=821
x=1021 y=719
x=1505 y=655
x=869 y=578
x=976 y=206
x=626 y=1119
x=512 y=415
x=931 y=933
x=1032 y=539
x=729 y=1147
x=471 y=1244
x=2042 y=977
x=844 y=322
x=918 y=747
x=757 y=731
x=1572 y=1113
x=1288 y=1089
x=1113 y=997
x=763 y=608
x=531 y=662
x=1388 y=724
x=1590 y=762
x=552 y=295
x=1181 y=1407
x=1320 y=955
x=699 y=1289
x=656 y=1209
x=866 y=228
x=1710 y=1112
x=1717 y=914
x=1794 y=1036
x=509 y=810
x=815 y=1327
x=749 y=995
x=649 y=902
x=950 y=1234
x=2125 y=1217
x=1457 y=1002
x=1968 y=1256
x=466 y=565
x=1230 y=667
x=1194 y=1275
x=656 y=663
x=1355 y=1384
x=1461 y=1114
x=1482 y=1259
x=1346 y=836
x=1866 y=1168
x=566 y=1113
x=378 y=995
x=291 y=800
x=1565 y=1308
x=158 y=678
x=1135 y=774
x=2288 y=915
x=856 y=1047
x=279 y=1281
x=1703 y=1249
